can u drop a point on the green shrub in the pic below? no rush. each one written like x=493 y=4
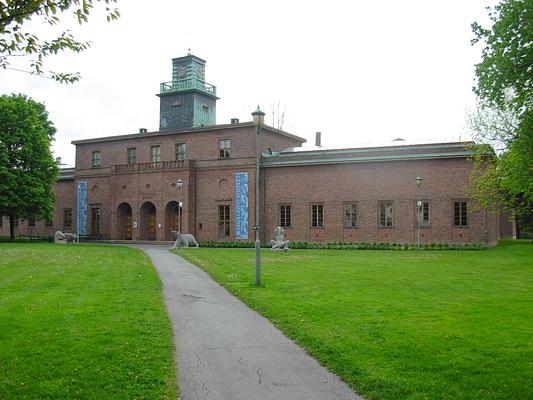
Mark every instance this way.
x=347 y=245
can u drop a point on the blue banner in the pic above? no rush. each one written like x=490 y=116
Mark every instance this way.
x=82 y=208
x=241 y=205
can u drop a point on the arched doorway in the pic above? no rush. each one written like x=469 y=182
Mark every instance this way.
x=148 y=221
x=124 y=223
x=172 y=219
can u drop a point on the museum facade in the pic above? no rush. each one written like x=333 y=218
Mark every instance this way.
x=198 y=177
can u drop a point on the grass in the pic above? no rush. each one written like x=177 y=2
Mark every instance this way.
x=399 y=325
x=82 y=322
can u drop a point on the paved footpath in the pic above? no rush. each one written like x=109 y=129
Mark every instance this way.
x=227 y=351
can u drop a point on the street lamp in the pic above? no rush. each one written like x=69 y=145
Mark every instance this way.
x=418 y=181
x=179 y=184
x=258 y=118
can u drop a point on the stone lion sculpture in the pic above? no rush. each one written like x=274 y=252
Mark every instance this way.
x=184 y=240
x=279 y=243
x=60 y=237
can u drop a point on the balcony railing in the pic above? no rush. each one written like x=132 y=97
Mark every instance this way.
x=188 y=84
x=149 y=166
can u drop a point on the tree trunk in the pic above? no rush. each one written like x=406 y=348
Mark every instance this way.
x=12 y=227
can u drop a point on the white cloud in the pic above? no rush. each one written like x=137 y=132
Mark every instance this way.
x=358 y=71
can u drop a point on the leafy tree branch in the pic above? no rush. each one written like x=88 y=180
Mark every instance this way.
x=17 y=39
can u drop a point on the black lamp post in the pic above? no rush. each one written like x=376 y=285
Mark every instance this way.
x=418 y=181
x=179 y=184
x=258 y=118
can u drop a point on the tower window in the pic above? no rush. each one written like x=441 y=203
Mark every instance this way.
x=96 y=158
x=181 y=151
x=224 y=146
x=155 y=153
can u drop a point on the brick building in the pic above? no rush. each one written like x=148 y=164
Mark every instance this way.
x=343 y=195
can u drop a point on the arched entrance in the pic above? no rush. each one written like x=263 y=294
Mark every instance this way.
x=124 y=223
x=148 y=221
x=172 y=219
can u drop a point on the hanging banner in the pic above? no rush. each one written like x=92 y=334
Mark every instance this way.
x=241 y=205
x=82 y=208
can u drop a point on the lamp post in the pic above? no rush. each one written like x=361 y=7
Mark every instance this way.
x=179 y=184
x=258 y=118
x=418 y=181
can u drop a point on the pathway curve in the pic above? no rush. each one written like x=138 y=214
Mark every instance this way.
x=227 y=351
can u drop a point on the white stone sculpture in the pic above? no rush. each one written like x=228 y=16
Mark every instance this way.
x=184 y=240
x=279 y=244
x=60 y=237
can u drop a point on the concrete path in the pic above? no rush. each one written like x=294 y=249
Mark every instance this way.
x=227 y=351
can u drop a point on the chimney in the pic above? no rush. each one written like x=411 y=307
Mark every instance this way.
x=318 y=139
x=234 y=121
x=143 y=130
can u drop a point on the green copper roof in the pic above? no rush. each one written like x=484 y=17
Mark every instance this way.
x=185 y=85
x=388 y=153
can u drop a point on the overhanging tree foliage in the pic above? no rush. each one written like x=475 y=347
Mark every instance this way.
x=505 y=115
x=27 y=168
x=17 y=39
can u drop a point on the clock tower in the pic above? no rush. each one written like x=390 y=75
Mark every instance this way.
x=187 y=101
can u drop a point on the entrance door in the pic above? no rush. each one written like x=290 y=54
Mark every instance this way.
x=95 y=222
x=151 y=227
x=128 y=227
x=148 y=221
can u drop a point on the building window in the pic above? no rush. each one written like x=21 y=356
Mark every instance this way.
x=386 y=215
x=460 y=214
x=49 y=223
x=317 y=216
x=224 y=148
x=1 y=221
x=95 y=221
x=96 y=159
x=223 y=221
x=350 y=215
x=425 y=221
x=132 y=155
x=285 y=216
x=16 y=222
x=67 y=217
x=155 y=153
x=181 y=151
x=31 y=222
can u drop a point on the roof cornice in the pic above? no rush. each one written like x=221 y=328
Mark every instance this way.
x=212 y=128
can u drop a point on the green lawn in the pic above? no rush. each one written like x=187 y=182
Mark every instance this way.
x=82 y=322
x=399 y=324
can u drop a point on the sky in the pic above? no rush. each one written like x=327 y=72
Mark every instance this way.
x=360 y=72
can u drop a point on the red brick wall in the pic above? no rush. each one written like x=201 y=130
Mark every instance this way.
x=210 y=182
x=444 y=180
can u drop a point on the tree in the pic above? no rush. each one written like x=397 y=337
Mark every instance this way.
x=27 y=168
x=504 y=88
x=278 y=116
x=16 y=41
